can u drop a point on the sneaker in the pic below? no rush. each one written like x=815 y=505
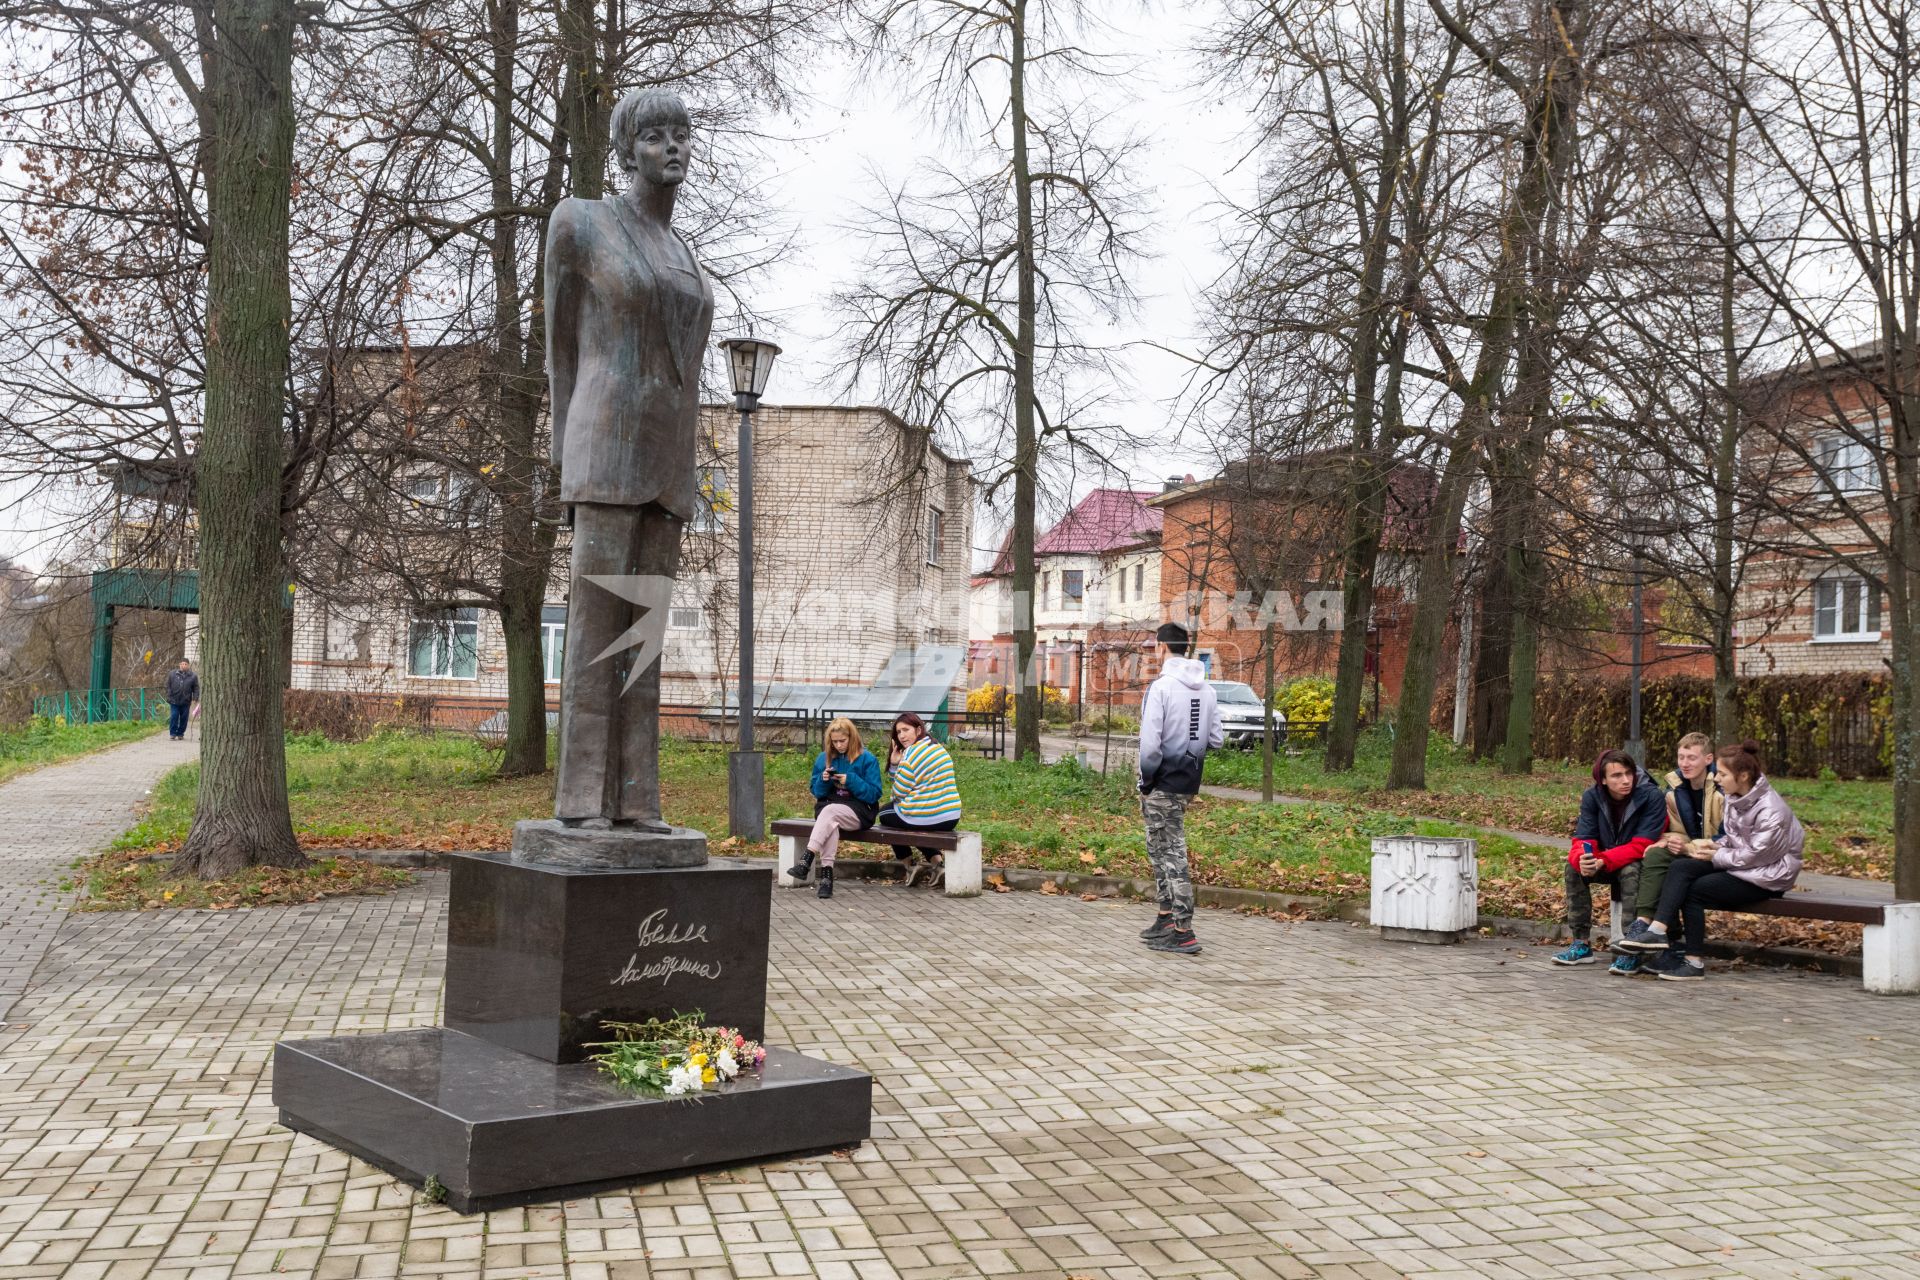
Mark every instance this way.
x=1661 y=963
x=1578 y=953
x=1682 y=970
x=1636 y=930
x=1640 y=937
x=1624 y=966
x=1181 y=940
x=1159 y=926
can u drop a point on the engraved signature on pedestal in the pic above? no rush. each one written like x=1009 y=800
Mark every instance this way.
x=658 y=931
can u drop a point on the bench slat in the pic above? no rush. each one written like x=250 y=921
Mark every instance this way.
x=898 y=837
x=1811 y=906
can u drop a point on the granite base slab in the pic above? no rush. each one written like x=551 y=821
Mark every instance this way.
x=497 y=1128
x=550 y=841
x=540 y=957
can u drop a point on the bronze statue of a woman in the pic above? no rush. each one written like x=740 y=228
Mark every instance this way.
x=628 y=311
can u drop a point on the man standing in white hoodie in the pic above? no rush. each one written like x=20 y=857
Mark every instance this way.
x=1179 y=722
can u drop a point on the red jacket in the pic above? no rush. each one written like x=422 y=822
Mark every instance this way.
x=1617 y=844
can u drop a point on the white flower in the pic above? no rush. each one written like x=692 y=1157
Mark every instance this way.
x=726 y=1065
x=684 y=1079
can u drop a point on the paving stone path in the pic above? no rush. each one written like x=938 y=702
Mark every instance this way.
x=54 y=816
x=1052 y=1101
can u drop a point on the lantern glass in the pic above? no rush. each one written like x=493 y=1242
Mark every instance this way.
x=750 y=360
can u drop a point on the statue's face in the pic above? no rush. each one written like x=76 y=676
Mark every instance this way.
x=661 y=153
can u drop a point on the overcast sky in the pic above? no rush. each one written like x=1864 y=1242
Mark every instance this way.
x=852 y=135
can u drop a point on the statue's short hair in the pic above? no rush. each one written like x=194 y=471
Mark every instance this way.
x=640 y=108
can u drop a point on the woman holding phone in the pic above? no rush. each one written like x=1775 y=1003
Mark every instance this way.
x=926 y=796
x=846 y=796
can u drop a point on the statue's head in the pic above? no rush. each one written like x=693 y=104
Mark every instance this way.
x=653 y=136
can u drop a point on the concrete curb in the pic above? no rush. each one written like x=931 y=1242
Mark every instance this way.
x=1220 y=897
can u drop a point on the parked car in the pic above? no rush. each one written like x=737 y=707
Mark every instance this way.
x=1240 y=713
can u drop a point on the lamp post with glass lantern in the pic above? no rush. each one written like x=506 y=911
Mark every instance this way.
x=750 y=361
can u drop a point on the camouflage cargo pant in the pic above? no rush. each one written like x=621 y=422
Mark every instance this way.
x=1166 y=816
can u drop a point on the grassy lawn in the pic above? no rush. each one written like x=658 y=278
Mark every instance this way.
x=1849 y=824
x=406 y=792
x=401 y=791
x=40 y=742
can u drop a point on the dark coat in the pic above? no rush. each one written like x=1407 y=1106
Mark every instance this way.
x=1618 y=843
x=183 y=688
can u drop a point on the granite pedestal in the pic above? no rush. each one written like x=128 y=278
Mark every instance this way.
x=499 y=1107
x=496 y=1128
x=540 y=957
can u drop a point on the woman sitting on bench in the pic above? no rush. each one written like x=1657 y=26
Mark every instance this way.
x=1758 y=858
x=846 y=797
x=925 y=795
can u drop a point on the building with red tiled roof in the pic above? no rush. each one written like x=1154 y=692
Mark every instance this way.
x=1096 y=571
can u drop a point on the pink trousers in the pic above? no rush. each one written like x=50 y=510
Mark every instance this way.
x=825 y=839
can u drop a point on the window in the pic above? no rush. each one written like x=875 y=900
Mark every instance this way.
x=1845 y=608
x=348 y=631
x=1206 y=662
x=1046 y=589
x=1139 y=581
x=1123 y=585
x=1072 y=588
x=683 y=618
x=1846 y=464
x=553 y=640
x=445 y=496
x=710 y=500
x=935 y=518
x=445 y=645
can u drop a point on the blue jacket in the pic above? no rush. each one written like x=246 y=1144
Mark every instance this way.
x=863 y=776
x=1644 y=821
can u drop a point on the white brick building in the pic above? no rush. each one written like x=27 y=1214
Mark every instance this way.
x=862 y=531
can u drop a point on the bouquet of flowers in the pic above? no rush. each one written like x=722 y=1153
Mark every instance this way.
x=674 y=1057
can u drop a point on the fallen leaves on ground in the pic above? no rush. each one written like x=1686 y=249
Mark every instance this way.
x=122 y=881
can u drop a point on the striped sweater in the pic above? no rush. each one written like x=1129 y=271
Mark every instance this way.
x=924 y=790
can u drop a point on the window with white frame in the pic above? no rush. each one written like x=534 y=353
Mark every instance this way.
x=710 y=500
x=1846 y=464
x=686 y=617
x=1073 y=588
x=935 y=518
x=553 y=640
x=1123 y=584
x=1845 y=607
x=444 y=645
x=445 y=496
x=1139 y=580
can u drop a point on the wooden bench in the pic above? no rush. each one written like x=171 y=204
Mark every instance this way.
x=1890 y=950
x=960 y=850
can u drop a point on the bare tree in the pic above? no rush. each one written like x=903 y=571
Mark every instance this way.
x=984 y=279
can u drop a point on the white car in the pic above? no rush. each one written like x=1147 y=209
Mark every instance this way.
x=1240 y=713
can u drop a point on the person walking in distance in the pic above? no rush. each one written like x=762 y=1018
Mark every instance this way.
x=183 y=690
x=1179 y=722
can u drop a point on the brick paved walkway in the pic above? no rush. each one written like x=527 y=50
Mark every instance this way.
x=53 y=817
x=1044 y=1108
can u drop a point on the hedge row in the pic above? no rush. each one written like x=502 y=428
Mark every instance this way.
x=1804 y=724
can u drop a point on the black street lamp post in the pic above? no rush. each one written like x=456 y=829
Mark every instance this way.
x=1634 y=746
x=750 y=360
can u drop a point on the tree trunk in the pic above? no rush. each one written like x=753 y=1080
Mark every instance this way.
x=586 y=106
x=1026 y=451
x=1365 y=522
x=1493 y=659
x=1726 y=453
x=241 y=818
x=526 y=550
x=1431 y=606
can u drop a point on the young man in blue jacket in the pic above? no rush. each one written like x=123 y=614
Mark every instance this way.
x=1179 y=722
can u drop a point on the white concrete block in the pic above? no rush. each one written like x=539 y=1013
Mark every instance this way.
x=1424 y=889
x=963 y=866
x=790 y=851
x=1890 y=952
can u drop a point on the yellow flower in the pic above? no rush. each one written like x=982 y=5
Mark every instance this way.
x=663 y=1062
x=699 y=1059
x=708 y=1076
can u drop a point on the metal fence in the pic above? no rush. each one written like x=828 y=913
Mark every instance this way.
x=101 y=706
